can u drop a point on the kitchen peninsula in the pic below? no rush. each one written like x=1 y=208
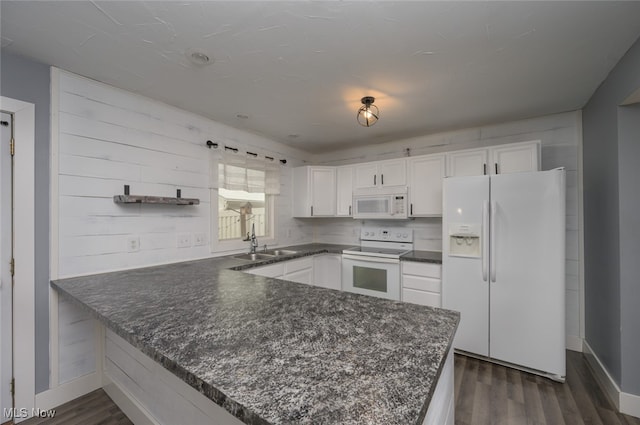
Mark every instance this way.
x=267 y=351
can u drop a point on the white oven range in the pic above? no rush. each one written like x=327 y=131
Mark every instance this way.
x=373 y=268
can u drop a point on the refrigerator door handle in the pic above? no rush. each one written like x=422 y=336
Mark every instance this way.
x=492 y=242
x=485 y=239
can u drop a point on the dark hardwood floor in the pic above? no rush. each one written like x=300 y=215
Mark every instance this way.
x=95 y=408
x=489 y=394
x=486 y=394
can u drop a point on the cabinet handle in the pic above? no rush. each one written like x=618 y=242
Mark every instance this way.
x=374 y=179
x=496 y=167
x=349 y=209
x=382 y=179
x=311 y=210
x=484 y=169
x=411 y=209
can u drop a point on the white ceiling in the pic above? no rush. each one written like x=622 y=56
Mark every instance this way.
x=298 y=69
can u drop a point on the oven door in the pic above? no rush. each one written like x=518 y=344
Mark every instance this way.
x=374 y=276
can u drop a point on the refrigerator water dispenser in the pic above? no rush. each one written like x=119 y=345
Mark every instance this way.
x=464 y=240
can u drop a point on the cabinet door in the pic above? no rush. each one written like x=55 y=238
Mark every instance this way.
x=392 y=173
x=425 y=185
x=344 y=191
x=323 y=189
x=515 y=158
x=301 y=276
x=274 y=270
x=467 y=163
x=366 y=175
x=327 y=271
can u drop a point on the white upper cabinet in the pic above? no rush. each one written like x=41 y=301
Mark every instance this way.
x=314 y=191
x=425 y=185
x=515 y=158
x=366 y=175
x=502 y=159
x=469 y=162
x=388 y=173
x=344 y=191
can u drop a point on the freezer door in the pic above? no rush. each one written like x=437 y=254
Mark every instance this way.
x=527 y=289
x=463 y=286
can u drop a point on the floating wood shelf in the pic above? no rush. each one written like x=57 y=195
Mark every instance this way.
x=144 y=199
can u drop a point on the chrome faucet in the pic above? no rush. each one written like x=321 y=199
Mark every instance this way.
x=254 y=240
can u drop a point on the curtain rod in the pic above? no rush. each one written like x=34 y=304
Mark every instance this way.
x=214 y=145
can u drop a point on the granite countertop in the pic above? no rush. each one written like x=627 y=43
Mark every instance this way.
x=423 y=257
x=271 y=351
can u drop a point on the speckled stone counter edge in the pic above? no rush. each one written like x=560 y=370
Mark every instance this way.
x=236 y=409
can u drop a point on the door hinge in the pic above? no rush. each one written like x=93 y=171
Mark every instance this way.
x=13 y=147
x=12 y=266
x=12 y=387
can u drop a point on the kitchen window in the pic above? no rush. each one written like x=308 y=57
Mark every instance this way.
x=238 y=211
x=245 y=189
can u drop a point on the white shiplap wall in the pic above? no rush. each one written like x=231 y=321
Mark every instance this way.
x=561 y=137
x=108 y=138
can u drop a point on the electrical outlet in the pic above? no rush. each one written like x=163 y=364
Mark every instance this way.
x=289 y=233
x=199 y=239
x=183 y=240
x=133 y=244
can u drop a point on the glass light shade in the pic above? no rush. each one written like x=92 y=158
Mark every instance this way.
x=368 y=113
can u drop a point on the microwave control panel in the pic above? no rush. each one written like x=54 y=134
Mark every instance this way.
x=399 y=205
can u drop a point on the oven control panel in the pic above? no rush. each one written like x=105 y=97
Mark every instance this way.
x=389 y=234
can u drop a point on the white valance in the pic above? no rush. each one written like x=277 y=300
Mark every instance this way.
x=241 y=171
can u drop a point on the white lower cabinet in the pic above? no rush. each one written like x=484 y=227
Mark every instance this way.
x=300 y=271
x=272 y=270
x=327 y=271
x=422 y=283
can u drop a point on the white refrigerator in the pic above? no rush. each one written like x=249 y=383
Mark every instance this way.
x=504 y=267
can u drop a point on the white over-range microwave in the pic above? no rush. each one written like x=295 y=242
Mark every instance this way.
x=387 y=203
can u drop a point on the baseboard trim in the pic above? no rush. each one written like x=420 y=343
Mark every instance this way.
x=66 y=392
x=127 y=403
x=626 y=403
x=630 y=404
x=574 y=343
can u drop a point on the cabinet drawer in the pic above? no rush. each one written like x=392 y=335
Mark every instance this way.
x=421 y=283
x=421 y=297
x=422 y=269
x=295 y=265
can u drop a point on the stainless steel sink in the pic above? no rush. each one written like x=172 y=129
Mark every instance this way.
x=254 y=257
x=279 y=252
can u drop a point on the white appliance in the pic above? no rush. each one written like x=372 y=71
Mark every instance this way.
x=373 y=268
x=382 y=203
x=504 y=267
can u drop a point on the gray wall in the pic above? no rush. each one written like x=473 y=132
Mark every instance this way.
x=629 y=171
x=609 y=160
x=29 y=81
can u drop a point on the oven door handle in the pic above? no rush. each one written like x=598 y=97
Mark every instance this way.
x=370 y=259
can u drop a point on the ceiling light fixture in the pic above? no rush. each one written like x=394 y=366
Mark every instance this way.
x=368 y=113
